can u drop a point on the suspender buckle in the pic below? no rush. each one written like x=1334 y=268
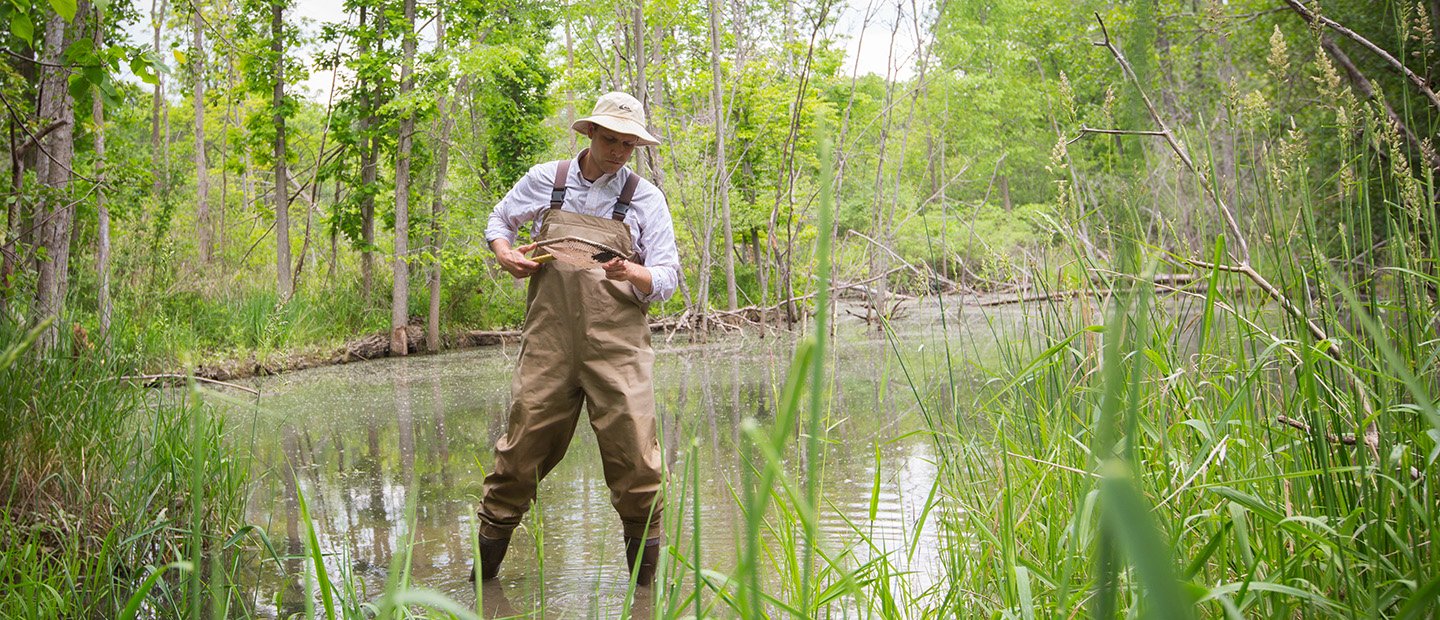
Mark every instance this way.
x=557 y=196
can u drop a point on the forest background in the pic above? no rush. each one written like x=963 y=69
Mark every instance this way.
x=145 y=212
x=173 y=201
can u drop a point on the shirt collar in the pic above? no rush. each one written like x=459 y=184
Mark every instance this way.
x=604 y=180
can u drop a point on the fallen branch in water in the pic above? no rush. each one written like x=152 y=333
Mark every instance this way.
x=166 y=379
x=1172 y=282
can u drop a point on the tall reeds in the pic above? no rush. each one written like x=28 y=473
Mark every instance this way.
x=1217 y=449
x=115 y=498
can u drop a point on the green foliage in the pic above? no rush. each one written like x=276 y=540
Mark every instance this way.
x=98 y=485
x=241 y=323
x=483 y=301
x=984 y=240
x=512 y=86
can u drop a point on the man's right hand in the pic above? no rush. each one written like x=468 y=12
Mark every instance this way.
x=513 y=260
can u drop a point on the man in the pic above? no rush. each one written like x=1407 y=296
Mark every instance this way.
x=586 y=340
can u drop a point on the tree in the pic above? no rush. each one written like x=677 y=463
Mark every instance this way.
x=400 y=292
x=268 y=68
x=446 y=121
x=158 y=110
x=202 y=172
x=281 y=192
x=722 y=177
x=102 y=252
x=369 y=149
x=57 y=152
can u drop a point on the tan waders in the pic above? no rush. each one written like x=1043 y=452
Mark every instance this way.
x=585 y=341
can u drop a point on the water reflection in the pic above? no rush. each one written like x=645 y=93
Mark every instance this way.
x=366 y=441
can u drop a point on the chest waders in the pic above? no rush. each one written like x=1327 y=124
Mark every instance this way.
x=585 y=342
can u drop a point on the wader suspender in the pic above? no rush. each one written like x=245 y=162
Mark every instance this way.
x=622 y=204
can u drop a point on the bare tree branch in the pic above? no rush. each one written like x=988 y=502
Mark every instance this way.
x=1367 y=89
x=1316 y=20
x=1175 y=143
x=1274 y=293
x=1084 y=131
x=36 y=138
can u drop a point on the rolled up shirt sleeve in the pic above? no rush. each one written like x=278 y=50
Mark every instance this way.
x=657 y=245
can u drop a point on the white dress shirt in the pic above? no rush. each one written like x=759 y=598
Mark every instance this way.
x=648 y=219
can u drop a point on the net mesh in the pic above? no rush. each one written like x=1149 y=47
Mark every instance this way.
x=576 y=251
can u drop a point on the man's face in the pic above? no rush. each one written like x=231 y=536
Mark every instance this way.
x=611 y=150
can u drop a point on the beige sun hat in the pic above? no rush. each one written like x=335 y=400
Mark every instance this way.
x=620 y=113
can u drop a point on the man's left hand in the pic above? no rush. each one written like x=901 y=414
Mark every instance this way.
x=622 y=270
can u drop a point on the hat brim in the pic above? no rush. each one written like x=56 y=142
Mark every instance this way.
x=617 y=125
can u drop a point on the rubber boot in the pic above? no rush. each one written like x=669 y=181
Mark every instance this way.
x=647 y=552
x=491 y=553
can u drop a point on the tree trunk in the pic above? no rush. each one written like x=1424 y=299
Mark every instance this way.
x=437 y=206
x=56 y=105
x=102 y=253
x=225 y=156
x=157 y=103
x=621 y=47
x=880 y=261
x=10 y=248
x=638 y=86
x=247 y=180
x=368 y=155
x=334 y=237
x=655 y=101
x=889 y=230
x=570 y=82
x=722 y=178
x=202 y=171
x=304 y=255
x=400 y=292
x=284 y=285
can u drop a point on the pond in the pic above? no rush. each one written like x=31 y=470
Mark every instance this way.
x=365 y=440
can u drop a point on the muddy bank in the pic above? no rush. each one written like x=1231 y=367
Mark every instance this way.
x=849 y=305
x=374 y=346
x=370 y=347
x=377 y=346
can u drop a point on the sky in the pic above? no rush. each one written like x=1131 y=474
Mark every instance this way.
x=863 y=25
x=874 y=19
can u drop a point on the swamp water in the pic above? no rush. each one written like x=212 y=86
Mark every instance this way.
x=366 y=439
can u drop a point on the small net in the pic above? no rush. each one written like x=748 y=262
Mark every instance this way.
x=576 y=251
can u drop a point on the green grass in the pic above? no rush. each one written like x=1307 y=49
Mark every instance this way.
x=1135 y=451
x=1147 y=465
x=1156 y=459
x=236 y=319
x=104 y=481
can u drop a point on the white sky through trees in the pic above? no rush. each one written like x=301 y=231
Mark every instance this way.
x=873 y=48
x=874 y=19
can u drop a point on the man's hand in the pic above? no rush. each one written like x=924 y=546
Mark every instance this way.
x=637 y=275
x=513 y=260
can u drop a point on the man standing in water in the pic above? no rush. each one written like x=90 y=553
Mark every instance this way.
x=586 y=340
